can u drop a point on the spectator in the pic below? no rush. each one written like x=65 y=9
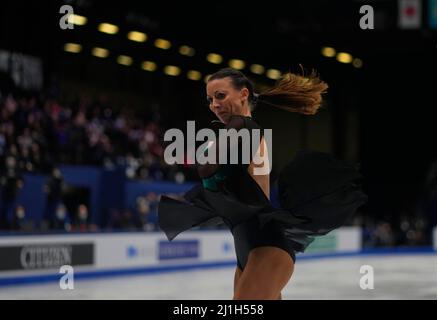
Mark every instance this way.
x=54 y=189
x=10 y=185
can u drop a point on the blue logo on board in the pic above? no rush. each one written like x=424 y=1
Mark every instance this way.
x=178 y=249
x=131 y=251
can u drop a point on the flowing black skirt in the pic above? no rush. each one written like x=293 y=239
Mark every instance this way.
x=317 y=194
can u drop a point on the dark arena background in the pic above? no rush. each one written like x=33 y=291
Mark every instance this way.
x=88 y=89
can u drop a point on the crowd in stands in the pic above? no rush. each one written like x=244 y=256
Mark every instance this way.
x=38 y=132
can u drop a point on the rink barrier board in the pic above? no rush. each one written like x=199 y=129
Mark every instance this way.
x=37 y=279
x=38 y=253
x=196 y=249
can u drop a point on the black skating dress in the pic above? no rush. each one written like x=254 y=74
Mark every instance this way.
x=317 y=194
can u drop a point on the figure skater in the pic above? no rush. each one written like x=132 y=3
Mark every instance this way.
x=317 y=192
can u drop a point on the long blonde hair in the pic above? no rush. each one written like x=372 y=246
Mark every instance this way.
x=293 y=92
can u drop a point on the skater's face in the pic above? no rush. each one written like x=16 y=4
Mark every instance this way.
x=225 y=100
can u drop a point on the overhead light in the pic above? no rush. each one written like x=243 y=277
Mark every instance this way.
x=100 y=52
x=273 y=74
x=237 y=64
x=124 y=60
x=72 y=47
x=194 y=75
x=187 y=51
x=172 y=70
x=214 y=58
x=108 y=28
x=357 y=63
x=257 y=69
x=328 y=52
x=77 y=19
x=162 y=44
x=148 y=66
x=137 y=36
x=344 y=57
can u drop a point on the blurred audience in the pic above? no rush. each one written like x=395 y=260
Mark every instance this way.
x=410 y=231
x=41 y=132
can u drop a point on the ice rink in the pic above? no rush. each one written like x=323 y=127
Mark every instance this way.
x=406 y=276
